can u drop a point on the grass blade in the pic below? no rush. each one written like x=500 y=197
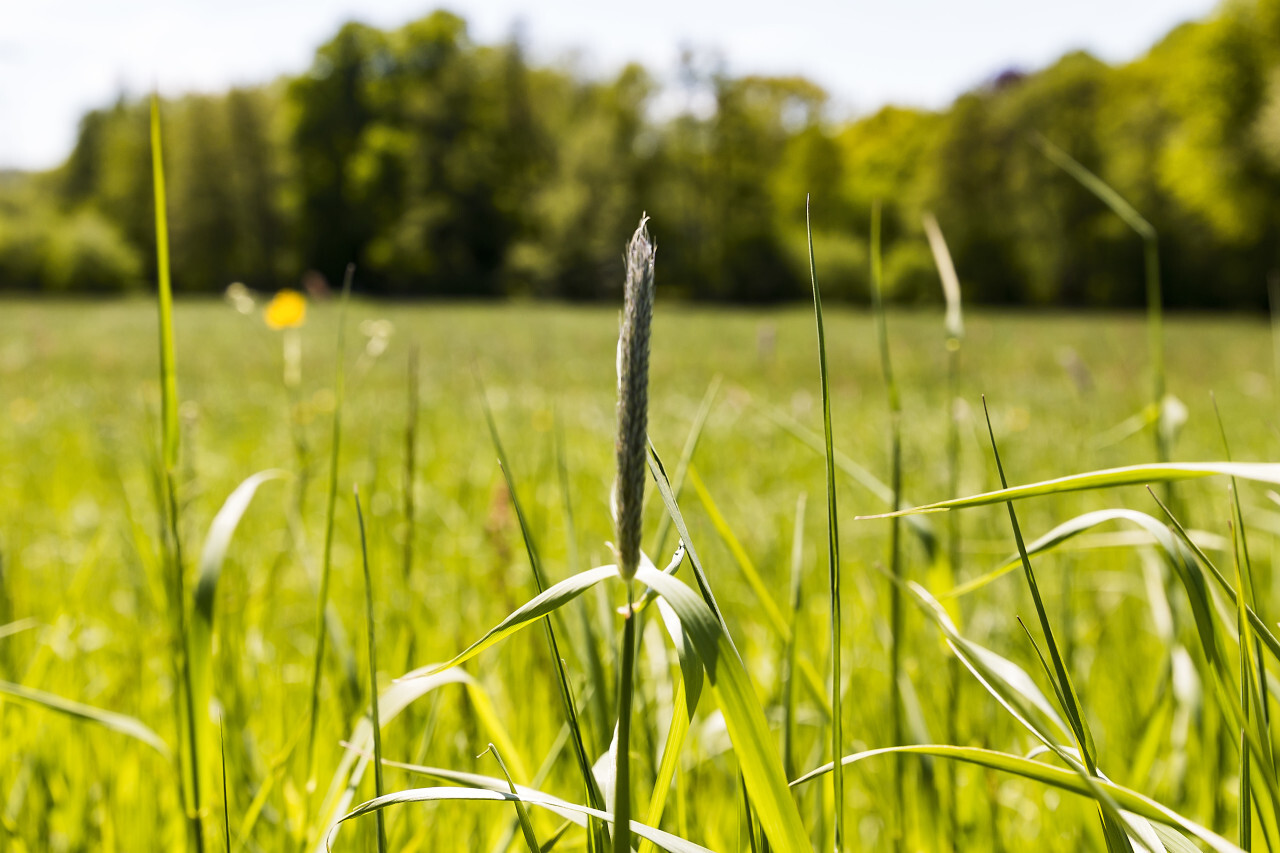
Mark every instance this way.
x=1118 y=832
x=553 y=645
x=1244 y=571
x=895 y=528
x=1130 y=475
x=322 y=599
x=212 y=557
x=1151 y=262
x=391 y=702
x=663 y=840
x=919 y=525
x=1046 y=774
x=757 y=756
x=592 y=653
x=226 y=807
x=1067 y=695
x=522 y=814
x=833 y=545
x=789 y=657
x=1261 y=630
x=744 y=718
x=950 y=281
x=1177 y=554
x=1007 y=682
x=1014 y=689
x=1244 y=814
x=686 y=456
x=538 y=607
x=168 y=370
x=1062 y=679
x=682 y=470
x=670 y=762
x=218 y=540
x=410 y=462
x=373 y=673
x=764 y=599
x=1230 y=698
x=622 y=755
x=688 y=692
x=184 y=697
x=1253 y=711
x=663 y=485
x=120 y=723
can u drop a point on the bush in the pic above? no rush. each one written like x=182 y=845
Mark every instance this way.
x=47 y=250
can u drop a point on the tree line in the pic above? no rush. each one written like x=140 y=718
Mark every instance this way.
x=446 y=167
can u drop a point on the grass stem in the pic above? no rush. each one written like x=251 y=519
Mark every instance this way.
x=322 y=599
x=375 y=719
x=833 y=550
x=626 y=684
x=170 y=436
x=895 y=525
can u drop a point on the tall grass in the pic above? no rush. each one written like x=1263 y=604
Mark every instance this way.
x=954 y=334
x=833 y=556
x=896 y=632
x=569 y=705
x=171 y=538
x=408 y=502
x=331 y=497
x=715 y=704
x=1161 y=427
x=375 y=718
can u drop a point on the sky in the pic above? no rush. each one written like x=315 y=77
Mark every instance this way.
x=60 y=58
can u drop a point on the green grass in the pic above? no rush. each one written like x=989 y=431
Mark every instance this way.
x=79 y=397
x=165 y=473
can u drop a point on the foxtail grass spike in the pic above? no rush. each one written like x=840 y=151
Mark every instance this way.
x=633 y=397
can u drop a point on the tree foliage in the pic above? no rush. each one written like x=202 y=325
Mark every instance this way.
x=445 y=167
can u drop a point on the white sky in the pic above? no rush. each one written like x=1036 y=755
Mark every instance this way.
x=59 y=58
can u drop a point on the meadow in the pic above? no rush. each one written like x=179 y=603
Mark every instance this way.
x=84 y=598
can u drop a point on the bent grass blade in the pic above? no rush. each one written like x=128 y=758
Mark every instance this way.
x=758 y=758
x=1131 y=475
x=120 y=723
x=664 y=840
x=1036 y=771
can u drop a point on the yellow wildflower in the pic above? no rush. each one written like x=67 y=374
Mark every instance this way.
x=287 y=309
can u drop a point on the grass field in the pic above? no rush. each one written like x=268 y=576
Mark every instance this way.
x=83 y=596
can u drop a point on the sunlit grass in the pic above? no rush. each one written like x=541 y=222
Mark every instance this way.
x=738 y=698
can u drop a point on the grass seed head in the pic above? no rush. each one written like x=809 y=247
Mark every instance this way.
x=633 y=397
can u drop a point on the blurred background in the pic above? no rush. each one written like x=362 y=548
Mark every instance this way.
x=502 y=150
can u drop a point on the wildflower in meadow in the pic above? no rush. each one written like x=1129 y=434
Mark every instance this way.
x=286 y=310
